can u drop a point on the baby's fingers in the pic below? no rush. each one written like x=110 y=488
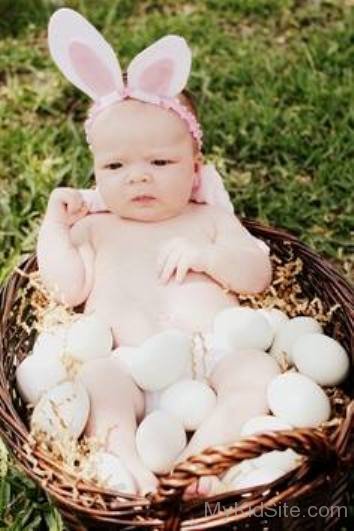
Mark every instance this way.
x=182 y=268
x=75 y=206
x=170 y=266
x=76 y=216
x=165 y=252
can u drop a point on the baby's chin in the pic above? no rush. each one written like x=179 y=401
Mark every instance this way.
x=148 y=213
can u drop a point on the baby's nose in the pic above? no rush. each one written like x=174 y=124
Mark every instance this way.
x=139 y=174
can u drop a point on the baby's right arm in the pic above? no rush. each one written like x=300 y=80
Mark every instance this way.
x=64 y=253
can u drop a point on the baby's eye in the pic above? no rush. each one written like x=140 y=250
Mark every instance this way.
x=113 y=166
x=161 y=162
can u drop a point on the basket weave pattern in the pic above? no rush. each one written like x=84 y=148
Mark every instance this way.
x=322 y=479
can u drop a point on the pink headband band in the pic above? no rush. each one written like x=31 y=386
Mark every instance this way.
x=167 y=103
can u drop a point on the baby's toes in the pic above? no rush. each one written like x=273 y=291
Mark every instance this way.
x=204 y=487
x=147 y=482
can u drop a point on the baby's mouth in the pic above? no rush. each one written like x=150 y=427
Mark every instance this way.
x=143 y=199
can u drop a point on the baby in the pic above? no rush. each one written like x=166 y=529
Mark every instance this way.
x=155 y=246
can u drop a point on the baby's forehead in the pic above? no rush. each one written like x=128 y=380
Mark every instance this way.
x=133 y=121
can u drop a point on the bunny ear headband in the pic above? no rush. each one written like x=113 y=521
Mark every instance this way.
x=156 y=75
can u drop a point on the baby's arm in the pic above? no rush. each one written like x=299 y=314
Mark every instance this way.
x=64 y=253
x=235 y=259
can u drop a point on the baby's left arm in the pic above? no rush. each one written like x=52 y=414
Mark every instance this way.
x=235 y=259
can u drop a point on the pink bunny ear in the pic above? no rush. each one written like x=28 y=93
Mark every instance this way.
x=83 y=55
x=162 y=68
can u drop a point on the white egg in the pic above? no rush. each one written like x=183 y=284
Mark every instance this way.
x=275 y=317
x=51 y=342
x=259 y=476
x=298 y=400
x=110 y=472
x=88 y=338
x=237 y=471
x=161 y=360
x=285 y=460
x=288 y=333
x=160 y=438
x=236 y=328
x=62 y=410
x=321 y=358
x=262 y=424
x=37 y=374
x=190 y=401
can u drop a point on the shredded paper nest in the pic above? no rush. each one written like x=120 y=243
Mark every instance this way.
x=285 y=293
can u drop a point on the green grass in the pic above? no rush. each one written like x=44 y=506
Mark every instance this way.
x=23 y=506
x=275 y=86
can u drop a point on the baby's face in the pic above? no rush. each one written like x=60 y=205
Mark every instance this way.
x=145 y=163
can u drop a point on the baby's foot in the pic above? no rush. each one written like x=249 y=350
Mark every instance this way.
x=146 y=480
x=204 y=487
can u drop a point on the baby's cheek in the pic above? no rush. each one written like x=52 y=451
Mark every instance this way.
x=178 y=191
x=107 y=186
x=111 y=193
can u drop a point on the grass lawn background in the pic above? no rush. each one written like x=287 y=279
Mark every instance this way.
x=275 y=88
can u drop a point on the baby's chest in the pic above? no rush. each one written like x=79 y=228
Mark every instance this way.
x=127 y=253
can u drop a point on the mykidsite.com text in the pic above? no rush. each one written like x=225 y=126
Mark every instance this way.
x=283 y=510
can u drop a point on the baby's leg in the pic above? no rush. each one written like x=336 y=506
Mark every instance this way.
x=240 y=381
x=116 y=403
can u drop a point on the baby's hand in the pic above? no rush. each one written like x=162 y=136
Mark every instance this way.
x=178 y=256
x=66 y=206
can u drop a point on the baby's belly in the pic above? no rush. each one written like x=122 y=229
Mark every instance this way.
x=193 y=304
x=190 y=306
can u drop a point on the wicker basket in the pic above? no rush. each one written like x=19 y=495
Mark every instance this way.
x=321 y=482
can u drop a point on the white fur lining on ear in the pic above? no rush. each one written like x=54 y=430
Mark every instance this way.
x=162 y=68
x=83 y=55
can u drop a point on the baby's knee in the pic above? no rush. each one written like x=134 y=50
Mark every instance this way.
x=244 y=369
x=107 y=381
x=264 y=366
x=244 y=402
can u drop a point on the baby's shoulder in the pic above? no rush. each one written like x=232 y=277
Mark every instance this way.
x=202 y=210
x=222 y=221
x=213 y=213
x=203 y=216
x=85 y=230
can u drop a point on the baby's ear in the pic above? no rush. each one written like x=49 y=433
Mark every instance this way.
x=83 y=55
x=162 y=68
